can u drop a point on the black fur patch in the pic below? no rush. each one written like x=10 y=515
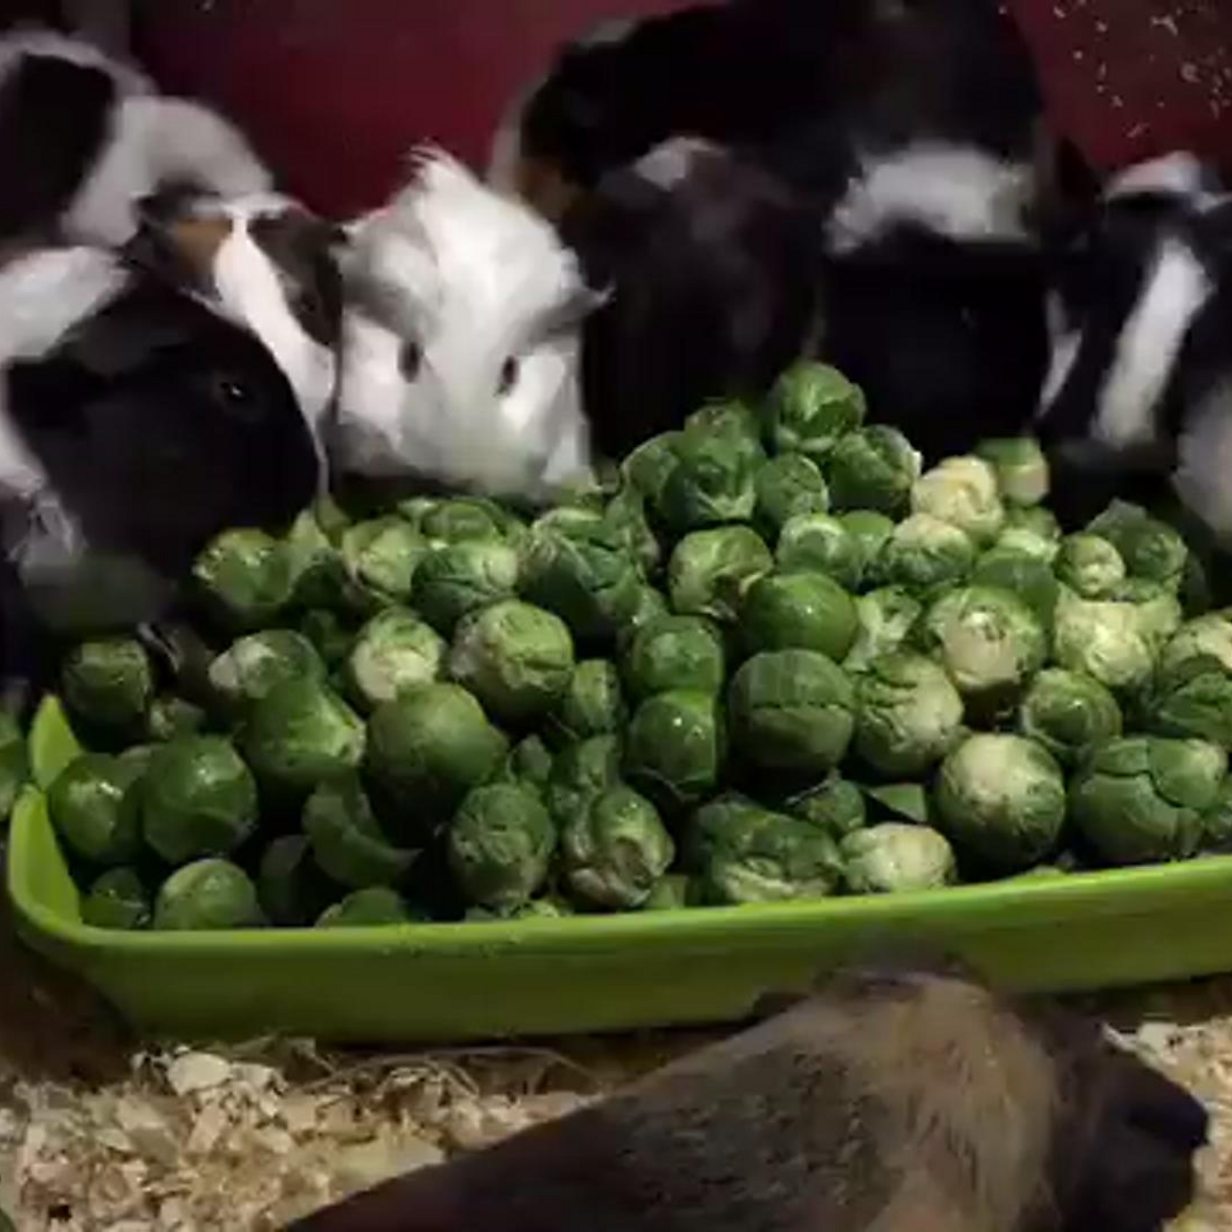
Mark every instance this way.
x=303 y=248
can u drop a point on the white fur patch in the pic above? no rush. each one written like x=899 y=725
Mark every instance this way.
x=1180 y=174
x=1063 y=353
x=672 y=161
x=1174 y=292
x=1204 y=466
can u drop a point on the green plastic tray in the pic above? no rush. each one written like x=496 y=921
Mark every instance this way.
x=542 y=976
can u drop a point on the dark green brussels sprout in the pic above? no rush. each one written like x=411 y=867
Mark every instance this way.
x=170 y=716
x=116 y=899
x=732 y=421
x=207 y=894
x=674 y=747
x=924 y=554
x=517 y=659
x=785 y=486
x=1151 y=549
x=792 y=710
x=300 y=734
x=579 y=773
x=811 y=406
x=457 y=521
x=347 y=843
x=614 y=852
x=138 y=757
x=500 y=844
x=1022 y=574
x=109 y=682
x=1193 y=684
x=908 y=714
x=722 y=821
x=873 y=468
x=647 y=468
x=1103 y=639
x=798 y=611
x=651 y=605
x=367 y=908
x=197 y=799
x=593 y=704
x=819 y=542
x=1217 y=822
x=461 y=578
x=963 y=492
x=317 y=575
x=710 y=485
x=291 y=889
x=768 y=857
x=380 y=558
x=670 y=893
x=1090 y=566
x=253 y=665
x=676 y=652
x=331 y=634
x=835 y=806
x=1140 y=799
x=1001 y=799
x=95 y=806
x=14 y=762
x=625 y=517
x=894 y=858
x=245 y=578
x=1069 y=713
x=886 y=618
x=428 y=748
x=1021 y=469
x=710 y=570
x=870 y=531
x=393 y=652
x=530 y=761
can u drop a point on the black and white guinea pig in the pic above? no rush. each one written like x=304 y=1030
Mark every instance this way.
x=83 y=138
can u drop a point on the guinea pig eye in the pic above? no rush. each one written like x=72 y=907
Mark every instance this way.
x=409 y=358
x=508 y=375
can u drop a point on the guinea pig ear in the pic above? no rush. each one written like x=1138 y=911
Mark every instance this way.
x=306 y=249
x=174 y=242
x=1069 y=187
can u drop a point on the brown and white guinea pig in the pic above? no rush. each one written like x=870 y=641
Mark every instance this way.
x=892 y=1101
x=83 y=138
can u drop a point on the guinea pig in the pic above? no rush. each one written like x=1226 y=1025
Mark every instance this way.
x=460 y=340
x=83 y=138
x=892 y=1101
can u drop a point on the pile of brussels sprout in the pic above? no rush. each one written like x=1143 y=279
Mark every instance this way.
x=765 y=658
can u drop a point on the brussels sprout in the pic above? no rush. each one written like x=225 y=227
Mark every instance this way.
x=1140 y=799
x=835 y=806
x=380 y=558
x=458 y=520
x=902 y=801
x=291 y=888
x=1021 y=469
x=530 y=761
x=299 y=735
x=722 y=821
x=711 y=483
x=210 y=894
x=170 y=716
x=138 y=757
x=988 y=640
x=894 y=858
x=804 y=611
x=908 y=714
x=1156 y=609
x=413 y=509
x=331 y=634
x=792 y=710
x=1069 y=713
x=347 y=843
x=871 y=531
x=626 y=517
x=14 y=763
x=1104 y=639
x=873 y=468
x=1151 y=549
x=367 y=908
x=1209 y=635
x=198 y=799
x=1193 y=697
x=670 y=893
x=729 y=420
x=787 y=486
x=710 y=570
x=245 y=578
x=1028 y=576
x=647 y=468
x=579 y=773
x=817 y=541
x=811 y=406
x=1037 y=522
x=500 y=844
x=593 y=704
x=768 y=857
x=317 y=575
x=886 y=617
x=458 y=579
x=1217 y=822
x=1090 y=566
x=676 y=652
x=428 y=748
x=517 y=659
x=393 y=652
x=923 y=554
x=675 y=747
x=108 y=683
x=650 y=606
x=614 y=852
x=963 y=492
x=94 y=804
x=1001 y=799
x=253 y=665
x=116 y=899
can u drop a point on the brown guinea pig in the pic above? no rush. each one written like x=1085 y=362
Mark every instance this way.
x=891 y=1101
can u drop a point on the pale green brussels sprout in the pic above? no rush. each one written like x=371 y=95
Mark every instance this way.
x=168 y=717
x=1103 y=639
x=380 y=557
x=1193 y=684
x=116 y=899
x=908 y=714
x=393 y=652
x=500 y=844
x=924 y=554
x=207 y=894
x=579 y=773
x=347 y=842
x=962 y=491
x=1036 y=521
x=457 y=521
x=1216 y=836
x=291 y=889
x=245 y=578
x=1157 y=609
x=517 y=659
x=254 y=664
x=871 y=531
x=414 y=508
x=805 y=611
x=895 y=857
x=887 y=616
x=1001 y=800
x=711 y=484
x=792 y=710
x=1021 y=469
x=670 y=893
x=455 y=580
x=675 y=747
x=873 y=468
x=786 y=486
x=332 y=635
x=987 y=639
x=647 y=468
x=14 y=762
x=734 y=422
x=1023 y=574
x=530 y=761
x=1069 y=713
x=765 y=857
x=1090 y=566
x=95 y=806
x=614 y=852
x=108 y=683
x=1206 y=635
x=1151 y=549
x=676 y=652
x=625 y=515
x=710 y=571
x=318 y=576
x=593 y=704
x=1140 y=799
x=550 y=907
x=651 y=605
x=368 y=908
x=835 y=806
x=820 y=542
x=811 y=406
